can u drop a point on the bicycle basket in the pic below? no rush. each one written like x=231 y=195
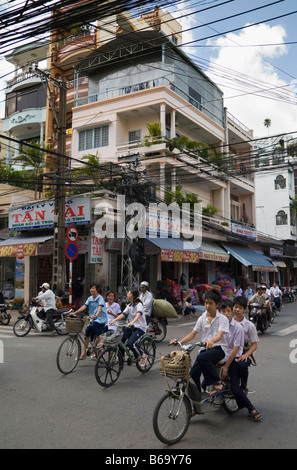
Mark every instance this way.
x=176 y=365
x=112 y=337
x=74 y=325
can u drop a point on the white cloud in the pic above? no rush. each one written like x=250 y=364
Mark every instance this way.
x=250 y=70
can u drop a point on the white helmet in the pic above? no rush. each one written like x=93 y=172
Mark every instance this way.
x=145 y=284
x=45 y=285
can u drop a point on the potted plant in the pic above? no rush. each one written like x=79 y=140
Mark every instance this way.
x=17 y=303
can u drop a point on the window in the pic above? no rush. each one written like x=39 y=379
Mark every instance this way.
x=134 y=136
x=281 y=218
x=33 y=97
x=93 y=138
x=280 y=182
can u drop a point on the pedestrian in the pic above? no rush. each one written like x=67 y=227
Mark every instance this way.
x=48 y=299
x=189 y=309
x=248 y=292
x=98 y=317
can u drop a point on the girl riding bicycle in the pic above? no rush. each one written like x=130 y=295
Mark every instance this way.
x=136 y=326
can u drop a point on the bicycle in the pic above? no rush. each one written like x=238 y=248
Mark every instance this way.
x=110 y=361
x=173 y=412
x=69 y=351
x=156 y=327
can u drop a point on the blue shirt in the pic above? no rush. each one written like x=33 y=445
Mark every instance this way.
x=93 y=305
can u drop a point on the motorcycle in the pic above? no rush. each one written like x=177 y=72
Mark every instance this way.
x=5 y=314
x=35 y=318
x=157 y=328
x=257 y=316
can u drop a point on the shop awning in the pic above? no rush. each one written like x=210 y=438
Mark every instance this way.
x=279 y=264
x=252 y=258
x=175 y=249
x=21 y=246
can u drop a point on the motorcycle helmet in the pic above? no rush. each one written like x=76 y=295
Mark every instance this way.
x=45 y=285
x=144 y=284
x=259 y=286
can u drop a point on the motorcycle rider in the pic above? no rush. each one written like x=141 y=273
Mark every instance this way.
x=146 y=298
x=262 y=298
x=48 y=298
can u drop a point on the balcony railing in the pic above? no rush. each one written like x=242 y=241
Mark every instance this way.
x=110 y=93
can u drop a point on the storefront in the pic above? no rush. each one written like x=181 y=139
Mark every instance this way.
x=249 y=265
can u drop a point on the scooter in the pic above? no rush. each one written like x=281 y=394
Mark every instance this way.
x=5 y=314
x=35 y=318
x=257 y=316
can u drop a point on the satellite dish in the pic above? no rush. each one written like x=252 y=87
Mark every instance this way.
x=138 y=258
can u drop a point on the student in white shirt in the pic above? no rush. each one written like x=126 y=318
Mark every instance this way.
x=136 y=326
x=235 y=349
x=240 y=374
x=113 y=310
x=213 y=327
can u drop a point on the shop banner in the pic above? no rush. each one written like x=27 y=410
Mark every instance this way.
x=95 y=252
x=19 y=251
x=244 y=231
x=192 y=256
x=35 y=216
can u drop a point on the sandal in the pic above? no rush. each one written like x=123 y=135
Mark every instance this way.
x=218 y=387
x=255 y=415
x=82 y=357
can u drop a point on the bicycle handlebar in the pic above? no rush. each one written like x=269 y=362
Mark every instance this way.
x=189 y=347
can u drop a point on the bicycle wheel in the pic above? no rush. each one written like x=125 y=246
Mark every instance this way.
x=158 y=329
x=21 y=327
x=229 y=403
x=148 y=346
x=68 y=354
x=171 y=418
x=108 y=366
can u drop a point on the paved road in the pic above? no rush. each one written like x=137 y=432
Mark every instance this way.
x=42 y=408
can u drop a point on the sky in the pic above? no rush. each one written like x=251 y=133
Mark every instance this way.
x=253 y=66
x=258 y=82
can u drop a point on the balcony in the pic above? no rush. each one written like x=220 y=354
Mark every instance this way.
x=111 y=93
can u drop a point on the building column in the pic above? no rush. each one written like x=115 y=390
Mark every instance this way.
x=162 y=182
x=172 y=124
x=163 y=118
x=41 y=134
x=8 y=149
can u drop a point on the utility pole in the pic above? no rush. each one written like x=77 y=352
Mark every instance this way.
x=58 y=281
x=58 y=273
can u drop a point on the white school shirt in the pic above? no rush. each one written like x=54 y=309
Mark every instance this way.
x=210 y=330
x=250 y=332
x=131 y=312
x=235 y=338
x=116 y=309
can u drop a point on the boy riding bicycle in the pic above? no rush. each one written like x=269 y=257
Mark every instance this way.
x=213 y=327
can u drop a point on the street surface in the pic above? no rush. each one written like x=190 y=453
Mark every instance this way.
x=41 y=408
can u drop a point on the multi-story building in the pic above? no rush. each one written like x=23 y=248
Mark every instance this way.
x=275 y=198
x=138 y=75
x=123 y=75
x=26 y=99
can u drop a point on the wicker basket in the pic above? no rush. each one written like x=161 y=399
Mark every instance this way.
x=74 y=325
x=176 y=366
x=112 y=337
